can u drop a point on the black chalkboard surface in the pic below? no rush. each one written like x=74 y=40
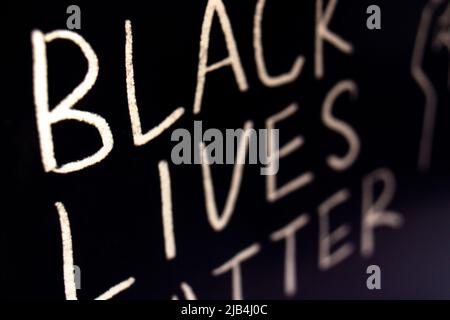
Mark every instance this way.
x=95 y=205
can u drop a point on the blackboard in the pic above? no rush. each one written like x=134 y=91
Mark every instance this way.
x=388 y=87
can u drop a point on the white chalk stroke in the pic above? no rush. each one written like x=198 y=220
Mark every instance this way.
x=425 y=84
x=68 y=266
x=64 y=110
x=140 y=138
x=187 y=291
x=442 y=38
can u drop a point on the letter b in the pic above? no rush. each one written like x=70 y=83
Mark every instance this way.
x=64 y=110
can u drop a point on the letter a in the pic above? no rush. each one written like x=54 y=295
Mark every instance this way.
x=74 y=20
x=374 y=20
x=216 y=6
x=374 y=280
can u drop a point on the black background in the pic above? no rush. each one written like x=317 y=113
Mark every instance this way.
x=114 y=207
